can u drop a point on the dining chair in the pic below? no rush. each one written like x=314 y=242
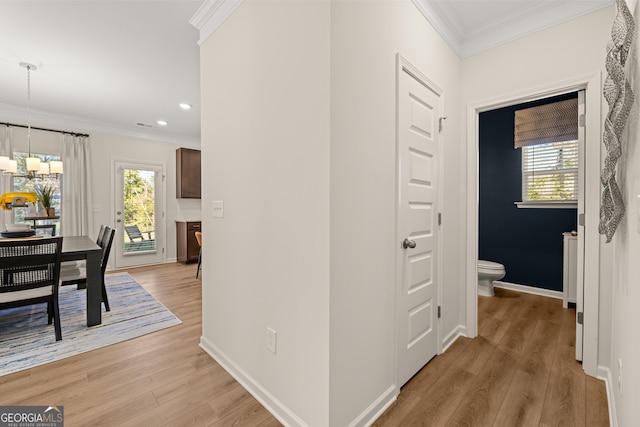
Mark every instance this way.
x=66 y=265
x=78 y=275
x=30 y=274
x=199 y=239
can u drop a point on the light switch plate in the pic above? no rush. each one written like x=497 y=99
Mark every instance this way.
x=218 y=208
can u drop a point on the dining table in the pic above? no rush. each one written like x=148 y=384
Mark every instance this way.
x=84 y=248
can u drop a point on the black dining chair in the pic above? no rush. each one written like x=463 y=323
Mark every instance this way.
x=67 y=265
x=78 y=275
x=30 y=274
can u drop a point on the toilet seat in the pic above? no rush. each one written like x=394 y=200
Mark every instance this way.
x=490 y=265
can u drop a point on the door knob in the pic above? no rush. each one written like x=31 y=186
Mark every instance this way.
x=406 y=243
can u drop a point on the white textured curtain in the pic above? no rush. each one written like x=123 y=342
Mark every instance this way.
x=6 y=149
x=76 y=187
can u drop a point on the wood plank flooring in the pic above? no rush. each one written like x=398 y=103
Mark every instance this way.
x=160 y=379
x=519 y=372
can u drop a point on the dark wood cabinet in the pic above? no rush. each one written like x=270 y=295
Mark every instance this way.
x=187 y=245
x=188 y=173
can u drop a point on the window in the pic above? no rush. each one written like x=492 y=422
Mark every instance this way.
x=29 y=185
x=550 y=172
x=548 y=137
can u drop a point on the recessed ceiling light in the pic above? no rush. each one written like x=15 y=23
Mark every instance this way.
x=185 y=106
x=162 y=122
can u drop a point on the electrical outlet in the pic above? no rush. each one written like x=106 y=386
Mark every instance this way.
x=218 y=208
x=272 y=337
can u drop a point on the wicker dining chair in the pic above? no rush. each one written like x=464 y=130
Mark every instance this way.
x=30 y=274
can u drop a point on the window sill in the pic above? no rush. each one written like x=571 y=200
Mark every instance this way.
x=547 y=205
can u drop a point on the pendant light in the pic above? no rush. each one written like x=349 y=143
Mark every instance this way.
x=33 y=163
x=35 y=168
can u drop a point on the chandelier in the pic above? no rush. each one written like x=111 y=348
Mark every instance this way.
x=34 y=166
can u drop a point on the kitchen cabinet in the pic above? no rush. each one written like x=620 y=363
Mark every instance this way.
x=188 y=173
x=187 y=245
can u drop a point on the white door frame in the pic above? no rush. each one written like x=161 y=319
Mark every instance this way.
x=401 y=63
x=162 y=206
x=591 y=83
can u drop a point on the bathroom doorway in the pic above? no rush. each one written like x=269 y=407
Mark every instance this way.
x=589 y=200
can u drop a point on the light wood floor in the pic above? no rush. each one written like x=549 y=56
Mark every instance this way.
x=519 y=372
x=160 y=379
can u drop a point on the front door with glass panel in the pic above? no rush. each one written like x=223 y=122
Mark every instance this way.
x=139 y=214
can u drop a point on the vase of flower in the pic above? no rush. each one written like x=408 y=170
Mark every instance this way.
x=45 y=194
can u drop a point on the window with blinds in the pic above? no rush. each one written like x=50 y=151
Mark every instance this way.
x=548 y=136
x=550 y=172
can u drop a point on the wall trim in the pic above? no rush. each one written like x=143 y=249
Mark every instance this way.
x=18 y=115
x=592 y=84
x=458 y=331
x=377 y=407
x=520 y=23
x=211 y=15
x=528 y=289
x=604 y=374
x=262 y=395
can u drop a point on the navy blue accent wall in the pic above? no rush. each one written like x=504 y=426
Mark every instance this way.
x=528 y=242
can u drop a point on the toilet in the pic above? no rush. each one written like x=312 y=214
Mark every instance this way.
x=488 y=271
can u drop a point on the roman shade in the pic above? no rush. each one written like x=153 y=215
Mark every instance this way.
x=555 y=122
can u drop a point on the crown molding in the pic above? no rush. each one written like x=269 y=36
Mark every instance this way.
x=19 y=115
x=535 y=17
x=440 y=22
x=211 y=15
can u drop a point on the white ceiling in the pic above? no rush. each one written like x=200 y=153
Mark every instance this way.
x=110 y=65
x=102 y=66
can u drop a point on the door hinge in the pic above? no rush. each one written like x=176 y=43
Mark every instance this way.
x=439 y=312
x=581 y=219
x=440 y=126
x=580 y=318
x=439 y=218
x=581 y=120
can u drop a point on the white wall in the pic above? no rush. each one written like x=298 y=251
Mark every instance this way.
x=366 y=36
x=106 y=147
x=265 y=144
x=626 y=247
x=298 y=102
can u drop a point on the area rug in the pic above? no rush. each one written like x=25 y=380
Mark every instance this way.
x=26 y=340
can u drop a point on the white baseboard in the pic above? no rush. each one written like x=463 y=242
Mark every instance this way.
x=262 y=395
x=459 y=331
x=281 y=411
x=377 y=408
x=528 y=289
x=604 y=374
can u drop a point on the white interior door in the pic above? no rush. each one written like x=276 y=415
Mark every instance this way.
x=581 y=229
x=139 y=214
x=417 y=228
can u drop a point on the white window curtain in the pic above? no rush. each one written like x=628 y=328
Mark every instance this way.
x=76 y=180
x=6 y=149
